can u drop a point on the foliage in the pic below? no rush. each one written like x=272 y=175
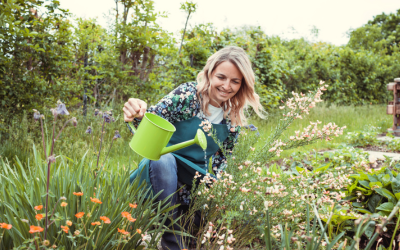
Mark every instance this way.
x=71 y=219
x=235 y=200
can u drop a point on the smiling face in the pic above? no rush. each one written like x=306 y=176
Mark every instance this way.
x=226 y=80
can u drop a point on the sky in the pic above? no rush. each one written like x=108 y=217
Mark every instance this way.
x=285 y=18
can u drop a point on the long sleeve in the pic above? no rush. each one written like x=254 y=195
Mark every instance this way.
x=179 y=105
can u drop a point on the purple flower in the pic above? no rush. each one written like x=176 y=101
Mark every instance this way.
x=251 y=127
x=116 y=135
x=88 y=130
x=61 y=109
x=52 y=158
x=106 y=117
x=74 y=121
x=36 y=115
x=96 y=112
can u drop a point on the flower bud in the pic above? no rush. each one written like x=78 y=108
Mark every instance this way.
x=46 y=243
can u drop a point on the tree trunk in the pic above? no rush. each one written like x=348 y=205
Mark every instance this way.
x=150 y=68
x=146 y=52
x=184 y=31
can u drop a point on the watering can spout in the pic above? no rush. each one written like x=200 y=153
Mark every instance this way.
x=199 y=139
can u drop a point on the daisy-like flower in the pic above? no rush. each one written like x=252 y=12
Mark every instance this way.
x=64 y=204
x=125 y=214
x=65 y=229
x=95 y=200
x=77 y=193
x=79 y=215
x=133 y=205
x=96 y=223
x=138 y=231
x=38 y=207
x=105 y=219
x=35 y=229
x=69 y=223
x=39 y=216
x=122 y=231
x=5 y=226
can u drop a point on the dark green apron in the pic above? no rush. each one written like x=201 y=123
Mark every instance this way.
x=189 y=159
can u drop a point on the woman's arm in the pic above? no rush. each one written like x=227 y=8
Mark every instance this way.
x=179 y=105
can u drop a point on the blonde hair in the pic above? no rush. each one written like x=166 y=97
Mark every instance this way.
x=244 y=97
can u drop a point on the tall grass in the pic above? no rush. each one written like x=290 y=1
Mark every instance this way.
x=74 y=143
x=356 y=118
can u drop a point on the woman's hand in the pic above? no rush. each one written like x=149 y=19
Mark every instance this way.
x=134 y=108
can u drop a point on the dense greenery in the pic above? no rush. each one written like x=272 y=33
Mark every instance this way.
x=43 y=57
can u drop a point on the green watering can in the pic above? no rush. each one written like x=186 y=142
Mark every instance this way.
x=153 y=134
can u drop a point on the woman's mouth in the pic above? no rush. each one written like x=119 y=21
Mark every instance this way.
x=223 y=93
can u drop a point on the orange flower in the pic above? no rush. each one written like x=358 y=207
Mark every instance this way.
x=125 y=214
x=39 y=216
x=122 y=231
x=39 y=207
x=131 y=219
x=138 y=231
x=64 y=204
x=65 y=229
x=133 y=205
x=35 y=229
x=105 y=219
x=79 y=215
x=95 y=200
x=5 y=226
x=78 y=194
x=69 y=223
x=96 y=223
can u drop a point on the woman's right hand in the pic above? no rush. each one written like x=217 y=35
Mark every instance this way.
x=134 y=108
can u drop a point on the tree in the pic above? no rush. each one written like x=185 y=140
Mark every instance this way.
x=189 y=8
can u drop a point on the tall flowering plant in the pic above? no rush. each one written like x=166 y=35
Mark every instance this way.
x=234 y=204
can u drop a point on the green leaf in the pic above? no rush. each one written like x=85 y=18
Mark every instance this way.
x=386 y=193
x=386 y=180
x=374 y=202
x=362 y=210
x=365 y=184
x=375 y=184
x=396 y=185
x=387 y=206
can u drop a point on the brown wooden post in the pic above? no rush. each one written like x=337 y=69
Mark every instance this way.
x=394 y=107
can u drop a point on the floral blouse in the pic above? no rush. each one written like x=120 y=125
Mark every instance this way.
x=182 y=104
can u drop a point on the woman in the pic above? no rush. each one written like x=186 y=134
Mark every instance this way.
x=223 y=89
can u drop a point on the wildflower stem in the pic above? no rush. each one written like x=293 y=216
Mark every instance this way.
x=54 y=209
x=395 y=230
x=112 y=141
x=98 y=235
x=44 y=143
x=59 y=133
x=2 y=236
x=101 y=143
x=48 y=178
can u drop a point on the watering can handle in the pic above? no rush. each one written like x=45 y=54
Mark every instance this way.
x=132 y=127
